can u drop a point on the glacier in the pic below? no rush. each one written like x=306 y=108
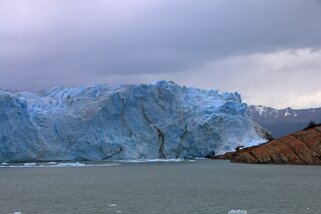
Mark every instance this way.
x=160 y=120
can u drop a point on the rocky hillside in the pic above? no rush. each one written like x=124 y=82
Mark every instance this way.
x=302 y=148
x=281 y=122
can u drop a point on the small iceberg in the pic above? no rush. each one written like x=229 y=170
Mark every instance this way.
x=237 y=212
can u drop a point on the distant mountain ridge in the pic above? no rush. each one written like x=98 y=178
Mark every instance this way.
x=281 y=122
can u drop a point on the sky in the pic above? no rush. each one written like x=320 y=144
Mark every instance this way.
x=267 y=50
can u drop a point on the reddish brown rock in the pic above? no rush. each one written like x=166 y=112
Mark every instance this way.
x=301 y=148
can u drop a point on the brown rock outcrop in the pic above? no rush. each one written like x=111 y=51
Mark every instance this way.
x=300 y=148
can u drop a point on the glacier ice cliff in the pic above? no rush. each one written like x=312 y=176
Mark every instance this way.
x=145 y=121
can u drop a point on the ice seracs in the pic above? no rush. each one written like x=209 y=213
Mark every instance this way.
x=145 y=121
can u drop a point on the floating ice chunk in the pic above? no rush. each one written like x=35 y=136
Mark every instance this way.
x=29 y=164
x=151 y=160
x=4 y=163
x=237 y=212
x=112 y=205
x=52 y=163
x=76 y=164
x=163 y=160
x=106 y=164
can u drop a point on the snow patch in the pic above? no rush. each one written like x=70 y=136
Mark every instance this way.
x=287 y=114
x=260 y=109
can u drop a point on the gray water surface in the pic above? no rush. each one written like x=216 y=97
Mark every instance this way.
x=203 y=186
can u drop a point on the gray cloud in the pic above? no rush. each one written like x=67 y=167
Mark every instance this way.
x=53 y=42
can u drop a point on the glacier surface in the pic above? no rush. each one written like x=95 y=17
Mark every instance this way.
x=102 y=121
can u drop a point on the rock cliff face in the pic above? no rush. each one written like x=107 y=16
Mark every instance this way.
x=302 y=147
x=159 y=120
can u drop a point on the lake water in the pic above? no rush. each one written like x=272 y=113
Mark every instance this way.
x=201 y=186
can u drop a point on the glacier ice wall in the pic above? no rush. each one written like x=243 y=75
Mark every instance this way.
x=158 y=120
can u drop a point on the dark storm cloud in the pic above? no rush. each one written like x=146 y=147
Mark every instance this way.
x=46 y=42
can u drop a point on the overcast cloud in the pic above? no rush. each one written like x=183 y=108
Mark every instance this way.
x=267 y=50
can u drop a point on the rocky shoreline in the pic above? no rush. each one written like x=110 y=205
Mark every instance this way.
x=300 y=148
